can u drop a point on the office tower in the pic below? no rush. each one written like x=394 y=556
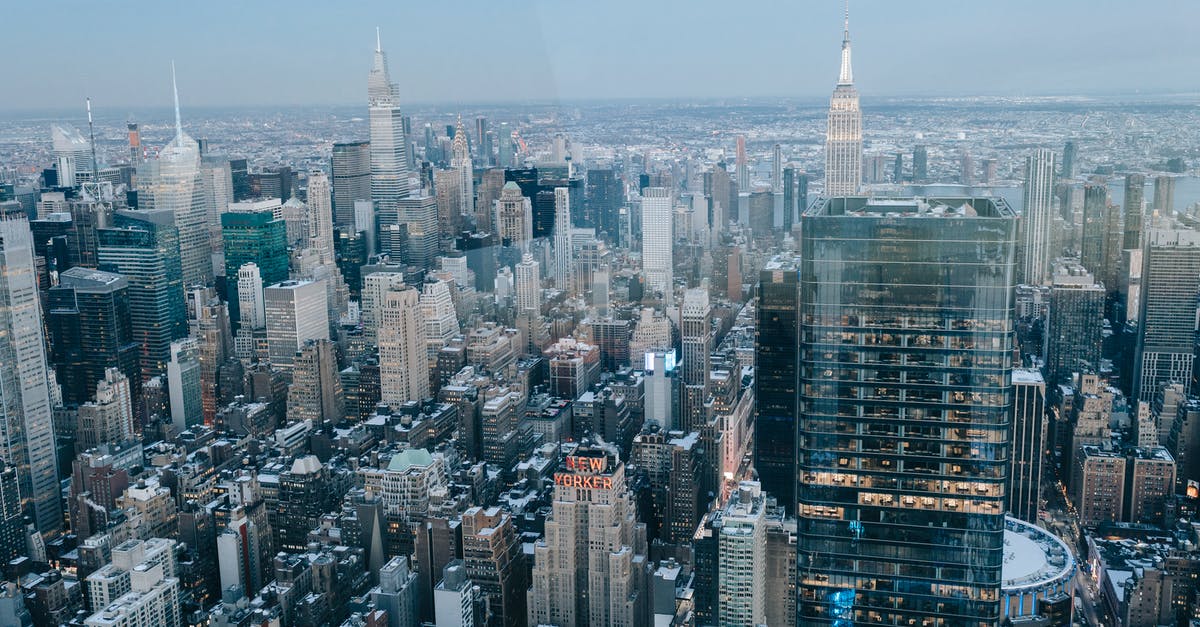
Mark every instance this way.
x=109 y=418
x=143 y=246
x=742 y=169
x=240 y=175
x=403 y=367
x=1091 y=249
x=72 y=155
x=183 y=384
x=843 y=139
x=316 y=391
x=989 y=171
x=1166 y=335
x=776 y=359
x=12 y=524
x=1028 y=444
x=249 y=286
x=493 y=559
x=174 y=182
x=777 y=169
x=870 y=388
x=697 y=339
x=657 y=240
x=514 y=217
x=898 y=169
x=88 y=317
x=320 y=211
x=920 y=164
x=306 y=492
x=295 y=219
x=389 y=145
x=795 y=192
x=254 y=233
x=375 y=287
x=445 y=185
x=504 y=156
x=966 y=174
x=661 y=404
x=296 y=312
x=351 y=163
x=25 y=394
x=1074 y=324
x=1135 y=212
x=460 y=162
x=760 y=213
x=587 y=566
x=563 y=257
x=419 y=215
x=527 y=282
x=1164 y=195
x=605 y=195
x=1036 y=219
x=1069 y=165
x=396 y=593
x=483 y=140
x=673 y=461
x=437 y=310
x=135 y=143
x=741 y=551
x=208 y=320
x=457 y=599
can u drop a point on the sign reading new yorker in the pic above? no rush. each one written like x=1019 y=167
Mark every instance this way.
x=583 y=473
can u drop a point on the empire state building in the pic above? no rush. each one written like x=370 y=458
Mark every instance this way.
x=843 y=139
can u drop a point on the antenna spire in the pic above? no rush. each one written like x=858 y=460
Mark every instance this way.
x=92 y=141
x=378 y=41
x=175 y=87
x=846 y=75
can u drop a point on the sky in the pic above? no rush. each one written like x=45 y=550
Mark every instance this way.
x=309 y=52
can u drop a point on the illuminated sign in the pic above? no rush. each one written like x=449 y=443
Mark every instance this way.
x=587 y=464
x=588 y=482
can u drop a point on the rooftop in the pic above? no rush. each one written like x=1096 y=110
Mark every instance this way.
x=911 y=207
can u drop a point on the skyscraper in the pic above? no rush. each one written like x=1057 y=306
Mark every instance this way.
x=351 y=164
x=389 y=161
x=403 y=367
x=143 y=246
x=419 y=215
x=1164 y=195
x=843 y=139
x=741 y=167
x=1135 y=211
x=776 y=359
x=88 y=317
x=657 y=240
x=563 y=265
x=174 y=182
x=1074 y=324
x=24 y=381
x=697 y=336
x=297 y=312
x=777 y=169
x=1069 y=166
x=1095 y=218
x=1166 y=335
x=920 y=164
x=320 y=216
x=316 y=390
x=514 y=217
x=254 y=233
x=906 y=354
x=1036 y=220
x=460 y=162
x=1028 y=444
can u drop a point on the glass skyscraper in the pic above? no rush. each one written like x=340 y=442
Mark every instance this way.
x=87 y=314
x=906 y=335
x=259 y=237
x=776 y=350
x=143 y=246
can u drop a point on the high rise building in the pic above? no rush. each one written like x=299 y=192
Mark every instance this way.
x=658 y=240
x=389 y=145
x=1135 y=211
x=351 y=163
x=296 y=312
x=588 y=565
x=320 y=211
x=1074 y=324
x=514 y=217
x=25 y=405
x=967 y=169
x=254 y=233
x=528 y=287
x=1164 y=195
x=741 y=167
x=184 y=385
x=1167 y=330
x=795 y=196
x=174 y=182
x=1070 y=167
x=1028 y=444
x=563 y=255
x=494 y=561
x=72 y=155
x=1036 y=220
x=777 y=169
x=920 y=164
x=742 y=557
x=375 y=287
x=504 y=157
x=316 y=390
x=419 y=215
x=776 y=391
x=403 y=366
x=88 y=317
x=1092 y=242
x=697 y=338
x=460 y=162
x=109 y=418
x=143 y=246
x=843 y=138
x=878 y=406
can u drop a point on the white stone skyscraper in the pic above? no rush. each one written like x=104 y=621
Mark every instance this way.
x=175 y=181
x=460 y=162
x=657 y=262
x=389 y=153
x=403 y=367
x=563 y=263
x=777 y=169
x=1039 y=202
x=528 y=286
x=320 y=215
x=25 y=407
x=843 y=139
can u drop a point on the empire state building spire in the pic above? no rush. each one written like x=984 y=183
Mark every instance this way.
x=846 y=76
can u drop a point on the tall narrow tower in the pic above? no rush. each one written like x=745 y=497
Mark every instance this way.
x=389 y=158
x=460 y=162
x=843 y=140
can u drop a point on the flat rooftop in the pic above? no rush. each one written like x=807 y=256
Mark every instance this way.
x=911 y=207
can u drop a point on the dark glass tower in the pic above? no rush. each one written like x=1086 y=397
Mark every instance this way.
x=351 y=179
x=776 y=352
x=906 y=309
x=88 y=317
x=143 y=246
x=252 y=237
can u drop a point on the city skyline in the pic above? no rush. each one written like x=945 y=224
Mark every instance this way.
x=754 y=56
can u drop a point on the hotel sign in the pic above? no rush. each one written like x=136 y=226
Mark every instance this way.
x=584 y=471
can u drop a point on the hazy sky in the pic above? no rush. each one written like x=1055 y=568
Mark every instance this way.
x=318 y=52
